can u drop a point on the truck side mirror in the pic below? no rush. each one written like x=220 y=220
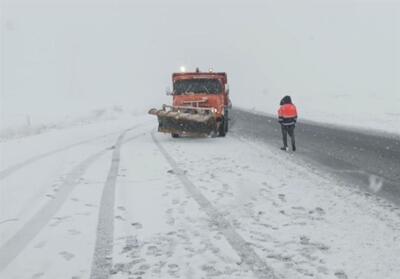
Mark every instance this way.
x=168 y=91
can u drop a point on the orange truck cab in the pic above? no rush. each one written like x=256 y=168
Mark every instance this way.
x=200 y=105
x=208 y=90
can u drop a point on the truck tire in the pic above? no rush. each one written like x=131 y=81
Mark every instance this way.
x=226 y=122
x=222 y=128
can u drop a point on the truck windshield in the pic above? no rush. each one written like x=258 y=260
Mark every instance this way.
x=197 y=86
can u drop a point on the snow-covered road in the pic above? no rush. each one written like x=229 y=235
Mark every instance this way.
x=117 y=200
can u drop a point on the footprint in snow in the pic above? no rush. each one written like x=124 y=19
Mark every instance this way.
x=117 y=268
x=131 y=243
x=305 y=272
x=144 y=267
x=298 y=223
x=74 y=232
x=139 y=273
x=38 y=275
x=191 y=251
x=316 y=214
x=173 y=268
x=89 y=205
x=264 y=193
x=266 y=225
x=304 y=240
x=137 y=225
x=249 y=204
x=152 y=250
x=170 y=221
x=177 y=172
x=341 y=274
x=157 y=267
x=323 y=270
x=282 y=197
x=211 y=270
x=280 y=257
x=58 y=220
x=137 y=260
x=321 y=246
x=320 y=210
x=175 y=201
x=118 y=217
x=66 y=255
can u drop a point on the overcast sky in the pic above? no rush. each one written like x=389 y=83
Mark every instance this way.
x=60 y=56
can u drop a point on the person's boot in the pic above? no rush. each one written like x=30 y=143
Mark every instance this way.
x=285 y=148
x=293 y=147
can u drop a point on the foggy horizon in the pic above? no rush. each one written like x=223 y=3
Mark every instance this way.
x=65 y=57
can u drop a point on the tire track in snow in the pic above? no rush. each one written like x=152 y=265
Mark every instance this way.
x=102 y=256
x=17 y=243
x=13 y=247
x=8 y=171
x=245 y=252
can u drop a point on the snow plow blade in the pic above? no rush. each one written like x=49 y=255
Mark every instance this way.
x=185 y=121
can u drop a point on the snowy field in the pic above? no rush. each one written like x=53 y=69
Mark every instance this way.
x=14 y=126
x=89 y=189
x=370 y=113
x=116 y=198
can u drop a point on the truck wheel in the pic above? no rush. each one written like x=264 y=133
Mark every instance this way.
x=175 y=135
x=222 y=128
x=226 y=122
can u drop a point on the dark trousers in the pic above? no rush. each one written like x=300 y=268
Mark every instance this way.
x=288 y=129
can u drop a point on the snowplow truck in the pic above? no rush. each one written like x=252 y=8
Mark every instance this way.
x=200 y=105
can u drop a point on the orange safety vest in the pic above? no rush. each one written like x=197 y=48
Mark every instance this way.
x=287 y=111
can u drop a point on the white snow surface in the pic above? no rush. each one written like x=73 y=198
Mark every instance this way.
x=19 y=126
x=183 y=208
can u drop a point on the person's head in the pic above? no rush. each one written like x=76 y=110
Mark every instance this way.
x=286 y=100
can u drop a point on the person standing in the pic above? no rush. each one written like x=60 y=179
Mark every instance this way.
x=287 y=115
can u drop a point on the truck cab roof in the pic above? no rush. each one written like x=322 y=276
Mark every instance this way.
x=200 y=75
